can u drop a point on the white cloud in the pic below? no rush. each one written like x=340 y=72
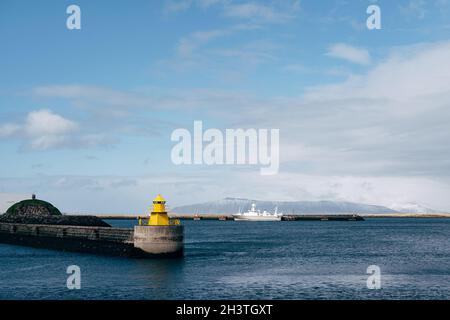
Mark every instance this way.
x=45 y=142
x=262 y=12
x=44 y=130
x=349 y=53
x=250 y=54
x=392 y=121
x=187 y=45
x=8 y=129
x=256 y=11
x=46 y=123
x=420 y=71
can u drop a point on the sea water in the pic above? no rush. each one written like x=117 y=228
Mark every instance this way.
x=252 y=260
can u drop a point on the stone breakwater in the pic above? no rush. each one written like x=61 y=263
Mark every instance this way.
x=153 y=242
x=83 y=221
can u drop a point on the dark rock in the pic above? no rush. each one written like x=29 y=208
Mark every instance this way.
x=40 y=212
x=32 y=208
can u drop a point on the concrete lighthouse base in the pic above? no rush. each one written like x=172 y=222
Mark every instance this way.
x=159 y=240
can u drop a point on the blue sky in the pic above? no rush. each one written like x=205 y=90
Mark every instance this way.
x=362 y=113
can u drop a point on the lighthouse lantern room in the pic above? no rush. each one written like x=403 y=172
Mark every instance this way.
x=158 y=216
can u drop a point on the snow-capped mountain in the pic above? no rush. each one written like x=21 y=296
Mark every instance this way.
x=412 y=207
x=233 y=205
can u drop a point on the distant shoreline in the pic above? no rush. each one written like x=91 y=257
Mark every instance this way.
x=229 y=217
x=408 y=215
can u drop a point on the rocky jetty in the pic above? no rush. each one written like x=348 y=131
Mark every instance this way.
x=34 y=211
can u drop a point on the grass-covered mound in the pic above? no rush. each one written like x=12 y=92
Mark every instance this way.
x=35 y=211
x=32 y=207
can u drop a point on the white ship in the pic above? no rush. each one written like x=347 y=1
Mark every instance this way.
x=256 y=215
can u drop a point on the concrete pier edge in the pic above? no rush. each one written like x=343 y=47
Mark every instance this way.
x=162 y=242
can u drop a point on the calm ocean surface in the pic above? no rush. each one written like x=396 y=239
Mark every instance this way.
x=245 y=260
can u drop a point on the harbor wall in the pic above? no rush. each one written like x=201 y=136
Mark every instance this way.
x=97 y=240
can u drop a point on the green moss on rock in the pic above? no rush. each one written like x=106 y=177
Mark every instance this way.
x=35 y=211
x=32 y=207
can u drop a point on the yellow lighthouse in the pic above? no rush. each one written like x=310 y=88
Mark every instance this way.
x=159 y=216
x=161 y=236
